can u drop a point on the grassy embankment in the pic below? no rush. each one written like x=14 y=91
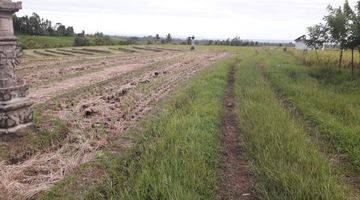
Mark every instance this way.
x=329 y=99
x=286 y=161
x=178 y=151
x=43 y=42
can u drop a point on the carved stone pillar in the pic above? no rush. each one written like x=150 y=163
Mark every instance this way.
x=15 y=108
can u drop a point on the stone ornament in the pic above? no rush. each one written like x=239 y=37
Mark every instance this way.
x=15 y=109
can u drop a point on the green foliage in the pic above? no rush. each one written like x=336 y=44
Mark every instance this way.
x=81 y=41
x=157 y=38
x=168 y=38
x=317 y=36
x=102 y=40
x=41 y=42
x=35 y=25
x=337 y=24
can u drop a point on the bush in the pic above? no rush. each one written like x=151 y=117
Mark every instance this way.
x=122 y=42
x=81 y=41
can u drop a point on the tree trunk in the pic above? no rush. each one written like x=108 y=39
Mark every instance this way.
x=352 y=61
x=317 y=57
x=341 y=57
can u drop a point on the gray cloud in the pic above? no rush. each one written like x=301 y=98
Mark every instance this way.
x=265 y=19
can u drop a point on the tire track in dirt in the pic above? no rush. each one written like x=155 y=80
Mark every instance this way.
x=238 y=181
x=38 y=173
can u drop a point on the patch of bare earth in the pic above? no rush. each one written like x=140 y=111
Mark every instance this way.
x=238 y=182
x=53 y=72
x=46 y=92
x=96 y=117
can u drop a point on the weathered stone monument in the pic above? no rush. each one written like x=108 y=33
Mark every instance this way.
x=15 y=108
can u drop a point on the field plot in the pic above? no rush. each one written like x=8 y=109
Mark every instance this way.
x=236 y=122
x=84 y=98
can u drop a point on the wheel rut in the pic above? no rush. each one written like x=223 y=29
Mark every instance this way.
x=238 y=181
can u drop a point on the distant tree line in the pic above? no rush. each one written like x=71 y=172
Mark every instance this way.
x=158 y=40
x=234 y=42
x=237 y=41
x=35 y=25
x=340 y=28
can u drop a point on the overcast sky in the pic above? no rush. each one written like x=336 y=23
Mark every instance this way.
x=212 y=19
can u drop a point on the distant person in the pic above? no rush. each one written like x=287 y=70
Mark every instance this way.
x=193 y=43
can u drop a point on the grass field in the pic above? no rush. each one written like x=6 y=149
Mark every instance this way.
x=327 y=98
x=153 y=122
x=43 y=42
x=288 y=164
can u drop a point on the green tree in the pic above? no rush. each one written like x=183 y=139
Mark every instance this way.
x=168 y=38
x=188 y=41
x=157 y=38
x=337 y=23
x=354 y=32
x=101 y=39
x=35 y=23
x=317 y=37
x=70 y=31
x=60 y=29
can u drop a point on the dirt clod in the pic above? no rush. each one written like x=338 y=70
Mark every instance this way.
x=89 y=112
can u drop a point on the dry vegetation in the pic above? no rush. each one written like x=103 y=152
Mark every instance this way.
x=84 y=98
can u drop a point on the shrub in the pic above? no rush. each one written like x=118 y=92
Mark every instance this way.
x=81 y=41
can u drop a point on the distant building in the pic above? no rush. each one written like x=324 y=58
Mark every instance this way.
x=300 y=43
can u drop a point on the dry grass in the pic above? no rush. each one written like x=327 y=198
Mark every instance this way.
x=50 y=165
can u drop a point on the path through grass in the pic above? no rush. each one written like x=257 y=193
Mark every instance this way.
x=286 y=161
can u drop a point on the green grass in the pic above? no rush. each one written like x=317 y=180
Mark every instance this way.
x=178 y=152
x=328 y=98
x=42 y=42
x=285 y=160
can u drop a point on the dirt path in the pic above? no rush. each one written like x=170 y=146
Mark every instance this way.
x=238 y=180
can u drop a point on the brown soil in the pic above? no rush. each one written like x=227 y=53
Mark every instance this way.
x=51 y=71
x=96 y=116
x=46 y=92
x=238 y=180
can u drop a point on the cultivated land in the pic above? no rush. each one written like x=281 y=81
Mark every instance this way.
x=163 y=122
x=83 y=102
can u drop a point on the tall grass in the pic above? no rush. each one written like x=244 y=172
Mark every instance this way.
x=328 y=58
x=288 y=165
x=328 y=98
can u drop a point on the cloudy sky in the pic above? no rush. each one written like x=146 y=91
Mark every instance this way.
x=211 y=19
